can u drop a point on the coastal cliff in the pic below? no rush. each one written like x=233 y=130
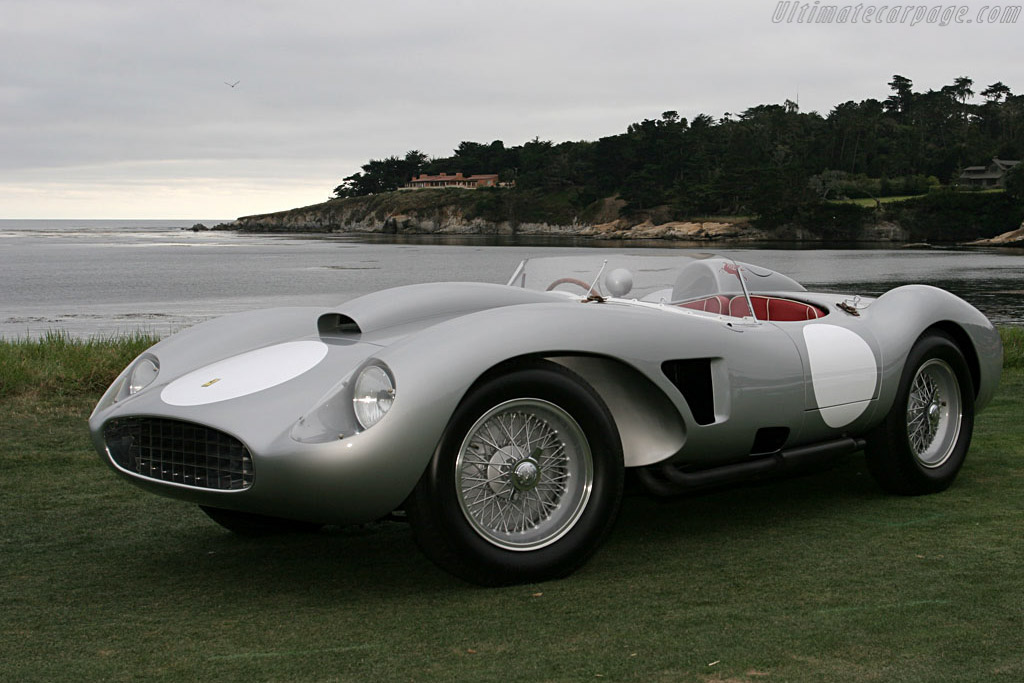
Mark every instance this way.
x=466 y=212
x=340 y=216
x=1013 y=238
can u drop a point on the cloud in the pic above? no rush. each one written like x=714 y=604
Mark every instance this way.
x=325 y=85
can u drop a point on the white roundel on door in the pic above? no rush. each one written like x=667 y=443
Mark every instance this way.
x=844 y=372
x=244 y=374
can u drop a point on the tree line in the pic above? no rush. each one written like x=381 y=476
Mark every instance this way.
x=770 y=161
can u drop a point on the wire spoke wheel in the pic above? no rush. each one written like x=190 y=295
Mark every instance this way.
x=921 y=444
x=526 y=481
x=934 y=413
x=524 y=474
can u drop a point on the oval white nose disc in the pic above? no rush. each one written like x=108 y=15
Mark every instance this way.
x=244 y=374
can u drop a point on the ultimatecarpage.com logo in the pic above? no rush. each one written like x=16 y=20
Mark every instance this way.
x=911 y=15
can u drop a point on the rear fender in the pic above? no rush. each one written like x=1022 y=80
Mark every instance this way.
x=899 y=317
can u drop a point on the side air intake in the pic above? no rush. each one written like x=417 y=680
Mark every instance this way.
x=692 y=377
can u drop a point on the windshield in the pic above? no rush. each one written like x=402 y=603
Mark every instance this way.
x=705 y=282
x=578 y=273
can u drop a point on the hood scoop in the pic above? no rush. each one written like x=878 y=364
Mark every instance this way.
x=330 y=324
x=421 y=303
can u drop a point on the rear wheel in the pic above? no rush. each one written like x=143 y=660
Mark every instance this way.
x=526 y=481
x=253 y=525
x=922 y=443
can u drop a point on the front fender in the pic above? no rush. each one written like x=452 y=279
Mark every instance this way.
x=435 y=368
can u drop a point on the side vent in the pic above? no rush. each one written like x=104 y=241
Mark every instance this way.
x=769 y=440
x=693 y=379
x=336 y=323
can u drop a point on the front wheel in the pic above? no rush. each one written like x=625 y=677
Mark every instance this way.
x=923 y=441
x=526 y=481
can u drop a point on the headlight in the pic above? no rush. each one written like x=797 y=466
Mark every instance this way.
x=373 y=395
x=143 y=374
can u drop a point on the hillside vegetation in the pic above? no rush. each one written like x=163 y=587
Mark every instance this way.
x=944 y=216
x=771 y=162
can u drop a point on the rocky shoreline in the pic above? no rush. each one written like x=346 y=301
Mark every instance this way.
x=339 y=216
x=733 y=232
x=453 y=224
x=1014 y=238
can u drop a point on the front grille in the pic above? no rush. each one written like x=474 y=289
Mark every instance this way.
x=179 y=452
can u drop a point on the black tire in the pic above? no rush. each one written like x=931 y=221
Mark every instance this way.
x=538 y=447
x=252 y=525
x=923 y=442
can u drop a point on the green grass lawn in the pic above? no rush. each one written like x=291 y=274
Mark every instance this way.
x=870 y=202
x=816 y=578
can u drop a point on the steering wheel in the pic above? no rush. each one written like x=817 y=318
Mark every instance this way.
x=572 y=281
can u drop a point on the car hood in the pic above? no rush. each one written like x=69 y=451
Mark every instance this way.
x=289 y=357
x=381 y=316
x=378 y=319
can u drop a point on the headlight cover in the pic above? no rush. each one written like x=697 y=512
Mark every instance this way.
x=372 y=395
x=143 y=374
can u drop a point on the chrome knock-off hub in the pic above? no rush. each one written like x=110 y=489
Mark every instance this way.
x=525 y=475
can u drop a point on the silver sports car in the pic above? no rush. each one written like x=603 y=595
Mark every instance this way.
x=500 y=419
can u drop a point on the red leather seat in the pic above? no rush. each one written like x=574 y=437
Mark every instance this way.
x=774 y=309
x=788 y=310
x=738 y=307
x=712 y=304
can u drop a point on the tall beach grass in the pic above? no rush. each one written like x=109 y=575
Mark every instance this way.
x=1013 y=347
x=58 y=364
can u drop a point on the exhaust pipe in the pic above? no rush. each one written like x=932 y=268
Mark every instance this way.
x=669 y=480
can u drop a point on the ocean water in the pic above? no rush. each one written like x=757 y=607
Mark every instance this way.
x=106 y=277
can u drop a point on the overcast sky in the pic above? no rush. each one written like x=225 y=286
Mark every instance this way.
x=119 y=109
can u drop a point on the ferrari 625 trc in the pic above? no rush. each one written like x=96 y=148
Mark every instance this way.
x=501 y=418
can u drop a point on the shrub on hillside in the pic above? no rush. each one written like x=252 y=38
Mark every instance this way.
x=834 y=221
x=951 y=216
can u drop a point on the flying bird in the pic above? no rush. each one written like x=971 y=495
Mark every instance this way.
x=232 y=84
